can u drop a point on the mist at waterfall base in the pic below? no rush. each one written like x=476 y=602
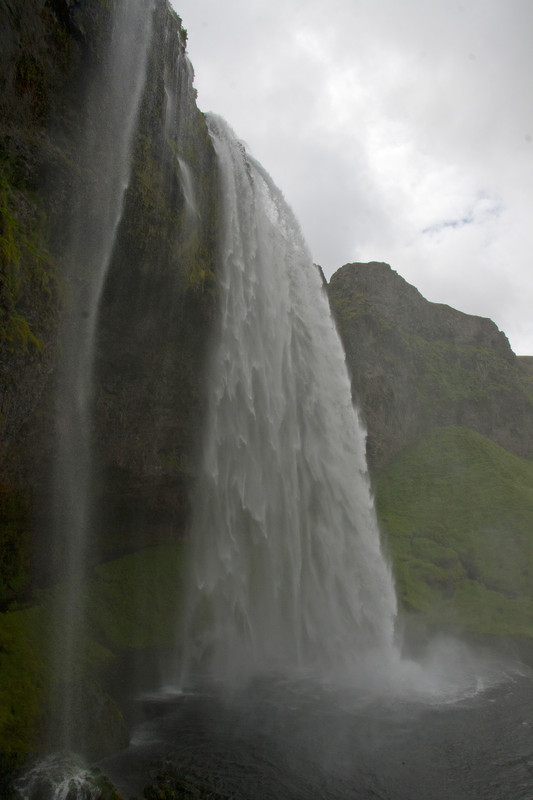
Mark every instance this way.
x=288 y=678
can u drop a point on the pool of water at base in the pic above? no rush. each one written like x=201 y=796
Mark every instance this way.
x=296 y=740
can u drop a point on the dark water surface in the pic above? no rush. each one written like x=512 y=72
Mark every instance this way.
x=299 y=741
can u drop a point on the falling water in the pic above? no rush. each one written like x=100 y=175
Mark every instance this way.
x=191 y=211
x=104 y=157
x=179 y=99
x=287 y=570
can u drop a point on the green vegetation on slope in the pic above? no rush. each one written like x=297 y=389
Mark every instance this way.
x=21 y=681
x=131 y=606
x=133 y=600
x=457 y=512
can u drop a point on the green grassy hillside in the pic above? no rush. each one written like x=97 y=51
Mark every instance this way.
x=131 y=608
x=456 y=511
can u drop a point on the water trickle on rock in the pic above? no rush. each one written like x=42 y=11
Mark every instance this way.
x=286 y=567
x=191 y=211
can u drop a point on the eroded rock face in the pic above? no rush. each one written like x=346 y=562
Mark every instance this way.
x=416 y=364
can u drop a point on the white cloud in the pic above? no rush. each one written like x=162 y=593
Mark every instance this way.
x=397 y=131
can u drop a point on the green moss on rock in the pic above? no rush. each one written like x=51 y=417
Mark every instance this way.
x=28 y=285
x=22 y=682
x=15 y=525
x=132 y=605
x=133 y=601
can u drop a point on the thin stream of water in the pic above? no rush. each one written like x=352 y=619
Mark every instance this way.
x=105 y=158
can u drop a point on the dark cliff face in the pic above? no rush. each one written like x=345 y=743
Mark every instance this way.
x=415 y=365
x=159 y=299
x=37 y=54
x=158 y=307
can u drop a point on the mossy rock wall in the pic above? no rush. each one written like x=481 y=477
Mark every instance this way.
x=157 y=310
x=158 y=304
x=35 y=48
x=132 y=605
x=49 y=52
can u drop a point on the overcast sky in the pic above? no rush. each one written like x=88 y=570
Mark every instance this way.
x=398 y=131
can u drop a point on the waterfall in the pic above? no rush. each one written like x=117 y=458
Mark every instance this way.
x=104 y=159
x=286 y=566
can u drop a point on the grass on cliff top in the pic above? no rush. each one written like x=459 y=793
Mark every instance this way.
x=457 y=515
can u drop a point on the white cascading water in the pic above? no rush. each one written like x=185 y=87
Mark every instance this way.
x=287 y=571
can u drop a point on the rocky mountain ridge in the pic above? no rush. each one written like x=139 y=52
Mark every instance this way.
x=416 y=364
